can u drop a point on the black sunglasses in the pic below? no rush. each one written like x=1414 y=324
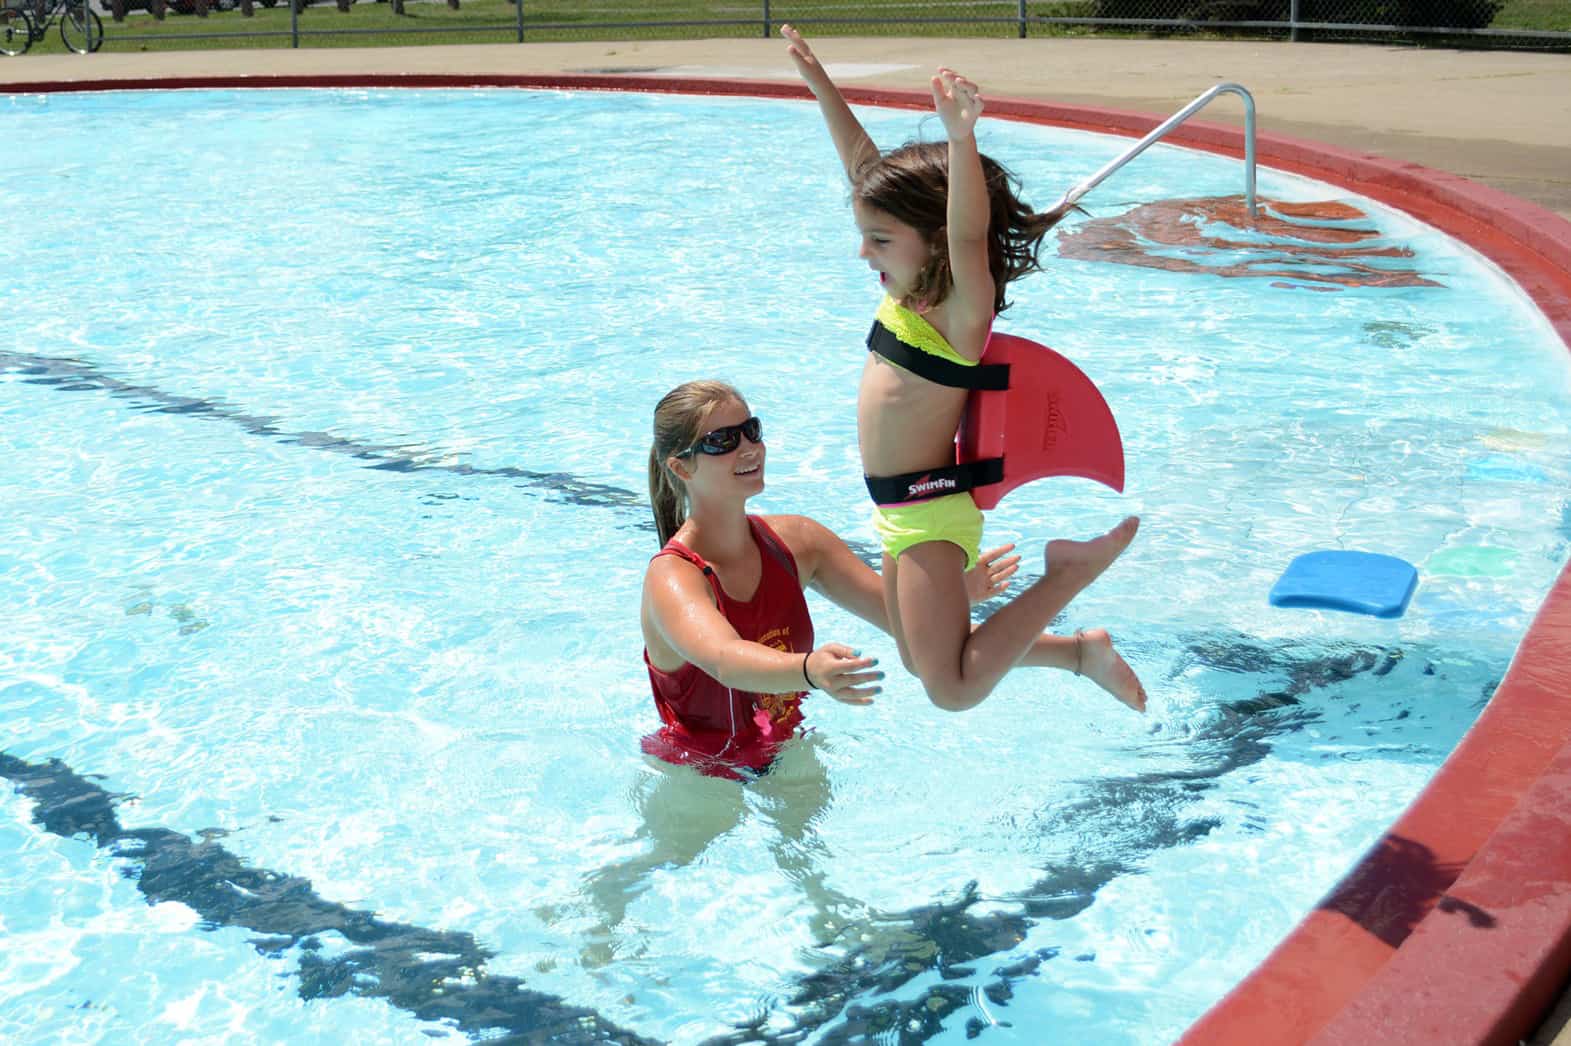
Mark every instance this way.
x=724 y=441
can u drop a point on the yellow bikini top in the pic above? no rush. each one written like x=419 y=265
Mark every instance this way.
x=909 y=326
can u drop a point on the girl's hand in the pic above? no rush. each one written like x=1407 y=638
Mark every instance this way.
x=806 y=64
x=990 y=577
x=957 y=101
x=843 y=673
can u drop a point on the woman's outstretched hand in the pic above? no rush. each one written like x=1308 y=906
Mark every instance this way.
x=844 y=674
x=957 y=101
x=990 y=577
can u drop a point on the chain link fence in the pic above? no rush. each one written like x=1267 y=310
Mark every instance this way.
x=188 y=24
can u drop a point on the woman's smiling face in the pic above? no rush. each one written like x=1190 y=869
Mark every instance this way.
x=743 y=465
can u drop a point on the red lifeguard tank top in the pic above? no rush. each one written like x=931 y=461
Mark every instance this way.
x=708 y=724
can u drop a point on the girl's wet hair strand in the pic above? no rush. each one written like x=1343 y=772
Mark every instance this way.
x=911 y=184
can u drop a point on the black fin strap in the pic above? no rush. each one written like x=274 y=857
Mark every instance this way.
x=934 y=483
x=986 y=376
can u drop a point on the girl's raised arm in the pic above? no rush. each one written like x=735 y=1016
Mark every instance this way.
x=959 y=103
x=856 y=149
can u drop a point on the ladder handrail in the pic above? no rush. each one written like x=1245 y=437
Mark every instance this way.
x=1073 y=195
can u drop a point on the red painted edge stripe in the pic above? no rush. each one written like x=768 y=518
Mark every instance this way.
x=1361 y=967
x=1488 y=963
x=1457 y=925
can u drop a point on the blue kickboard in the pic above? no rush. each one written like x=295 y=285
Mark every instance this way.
x=1357 y=582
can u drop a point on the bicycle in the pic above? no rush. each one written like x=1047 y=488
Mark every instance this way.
x=81 y=29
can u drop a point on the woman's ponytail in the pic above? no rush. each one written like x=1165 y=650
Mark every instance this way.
x=666 y=497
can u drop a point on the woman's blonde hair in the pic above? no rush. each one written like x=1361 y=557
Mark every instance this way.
x=681 y=416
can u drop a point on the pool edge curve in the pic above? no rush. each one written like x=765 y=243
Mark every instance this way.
x=1456 y=925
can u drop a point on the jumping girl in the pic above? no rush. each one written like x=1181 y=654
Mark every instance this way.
x=942 y=226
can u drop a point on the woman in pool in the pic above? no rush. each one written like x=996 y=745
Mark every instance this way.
x=728 y=640
x=730 y=649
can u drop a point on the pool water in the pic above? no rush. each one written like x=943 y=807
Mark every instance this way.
x=324 y=418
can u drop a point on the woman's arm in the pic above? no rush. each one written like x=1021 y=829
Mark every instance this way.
x=856 y=149
x=679 y=610
x=959 y=104
x=827 y=565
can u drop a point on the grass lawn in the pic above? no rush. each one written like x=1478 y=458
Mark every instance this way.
x=495 y=21
x=1542 y=15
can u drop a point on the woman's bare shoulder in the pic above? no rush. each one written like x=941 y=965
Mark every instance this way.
x=796 y=530
x=671 y=571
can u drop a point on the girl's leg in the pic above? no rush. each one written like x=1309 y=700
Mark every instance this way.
x=891 y=576
x=1090 y=653
x=960 y=667
x=934 y=618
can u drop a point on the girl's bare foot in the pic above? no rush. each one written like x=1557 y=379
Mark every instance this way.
x=1084 y=561
x=1105 y=667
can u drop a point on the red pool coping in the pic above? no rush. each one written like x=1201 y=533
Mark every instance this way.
x=1456 y=926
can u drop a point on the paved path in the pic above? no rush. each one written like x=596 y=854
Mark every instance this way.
x=1500 y=118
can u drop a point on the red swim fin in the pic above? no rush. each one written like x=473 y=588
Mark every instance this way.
x=1051 y=421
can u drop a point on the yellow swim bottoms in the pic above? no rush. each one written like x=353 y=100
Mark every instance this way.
x=953 y=518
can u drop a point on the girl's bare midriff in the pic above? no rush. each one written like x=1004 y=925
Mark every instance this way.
x=905 y=423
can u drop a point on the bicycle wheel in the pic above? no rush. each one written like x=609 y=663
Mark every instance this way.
x=16 y=31
x=81 y=29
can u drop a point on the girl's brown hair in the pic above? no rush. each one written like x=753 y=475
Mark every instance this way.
x=912 y=185
x=681 y=416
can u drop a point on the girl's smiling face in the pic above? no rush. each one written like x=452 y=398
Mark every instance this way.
x=893 y=249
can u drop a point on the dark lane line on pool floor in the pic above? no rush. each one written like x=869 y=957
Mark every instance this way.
x=69 y=375
x=1122 y=821
x=1129 y=818
x=436 y=975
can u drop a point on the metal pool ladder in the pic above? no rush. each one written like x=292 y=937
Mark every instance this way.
x=1073 y=195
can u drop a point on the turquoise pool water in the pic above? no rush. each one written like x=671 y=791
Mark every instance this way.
x=324 y=420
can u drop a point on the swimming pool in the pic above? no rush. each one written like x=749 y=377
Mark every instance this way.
x=331 y=549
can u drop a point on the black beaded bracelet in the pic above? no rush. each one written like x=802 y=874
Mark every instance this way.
x=807 y=678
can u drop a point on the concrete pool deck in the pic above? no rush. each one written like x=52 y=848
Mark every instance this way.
x=1500 y=120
